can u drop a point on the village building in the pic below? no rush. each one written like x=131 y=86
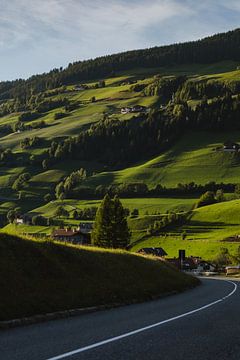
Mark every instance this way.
x=230 y=146
x=80 y=87
x=23 y=219
x=133 y=109
x=153 y=251
x=192 y=263
x=86 y=228
x=73 y=236
x=125 y=110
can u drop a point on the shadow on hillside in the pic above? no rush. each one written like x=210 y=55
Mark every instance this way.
x=207 y=226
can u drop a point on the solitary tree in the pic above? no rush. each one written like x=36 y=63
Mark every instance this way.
x=111 y=229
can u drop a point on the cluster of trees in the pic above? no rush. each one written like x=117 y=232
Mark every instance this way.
x=6 y=156
x=20 y=126
x=13 y=214
x=209 y=198
x=164 y=87
x=50 y=104
x=88 y=213
x=21 y=181
x=166 y=222
x=61 y=212
x=65 y=187
x=206 y=89
x=27 y=143
x=111 y=228
x=224 y=258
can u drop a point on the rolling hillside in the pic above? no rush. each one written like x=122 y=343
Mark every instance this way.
x=190 y=157
x=69 y=120
x=207 y=230
x=193 y=158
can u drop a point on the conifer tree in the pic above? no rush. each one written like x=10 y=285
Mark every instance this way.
x=121 y=233
x=101 y=235
x=111 y=229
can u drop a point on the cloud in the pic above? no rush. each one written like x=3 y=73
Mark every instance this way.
x=27 y=20
x=37 y=35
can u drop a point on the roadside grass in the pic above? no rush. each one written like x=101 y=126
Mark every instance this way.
x=38 y=277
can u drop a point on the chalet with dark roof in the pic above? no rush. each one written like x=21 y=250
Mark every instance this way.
x=86 y=228
x=230 y=146
x=73 y=236
x=153 y=251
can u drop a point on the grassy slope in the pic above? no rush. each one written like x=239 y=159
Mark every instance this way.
x=151 y=205
x=206 y=229
x=110 y=99
x=193 y=158
x=49 y=277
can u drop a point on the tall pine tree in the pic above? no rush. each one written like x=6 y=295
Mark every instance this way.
x=111 y=229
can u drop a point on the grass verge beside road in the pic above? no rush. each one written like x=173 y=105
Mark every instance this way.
x=38 y=277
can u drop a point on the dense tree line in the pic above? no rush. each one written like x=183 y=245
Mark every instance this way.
x=206 y=89
x=88 y=213
x=219 y=47
x=165 y=88
x=135 y=190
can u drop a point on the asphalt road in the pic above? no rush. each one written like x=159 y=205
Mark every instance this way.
x=203 y=323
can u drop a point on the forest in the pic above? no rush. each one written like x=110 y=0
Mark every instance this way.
x=220 y=47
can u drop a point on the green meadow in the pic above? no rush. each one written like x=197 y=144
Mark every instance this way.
x=193 y=158
x=206 y=230
x=196 y=156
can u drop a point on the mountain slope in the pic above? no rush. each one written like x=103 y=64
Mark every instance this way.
x=212 y=49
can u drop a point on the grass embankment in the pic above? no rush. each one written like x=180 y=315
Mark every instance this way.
x=39 y=277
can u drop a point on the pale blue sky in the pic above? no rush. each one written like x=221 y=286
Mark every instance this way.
x=38 y=35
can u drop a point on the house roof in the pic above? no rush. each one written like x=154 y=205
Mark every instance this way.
x=153 y=251
x=66 y=232
x=230 y=145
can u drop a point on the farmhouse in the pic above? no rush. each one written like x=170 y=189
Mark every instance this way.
x=23 y=219
x=85 y=228
x=205 y=266
x=133 y=109
x=73 y=236
x=230 y=146
x=126 y=110
x=153 y=251
x=192 y=263
x=80 y=87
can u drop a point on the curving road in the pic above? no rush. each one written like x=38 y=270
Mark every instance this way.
x=203 y=323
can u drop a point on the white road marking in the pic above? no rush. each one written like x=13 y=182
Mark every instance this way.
x=137 y=331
